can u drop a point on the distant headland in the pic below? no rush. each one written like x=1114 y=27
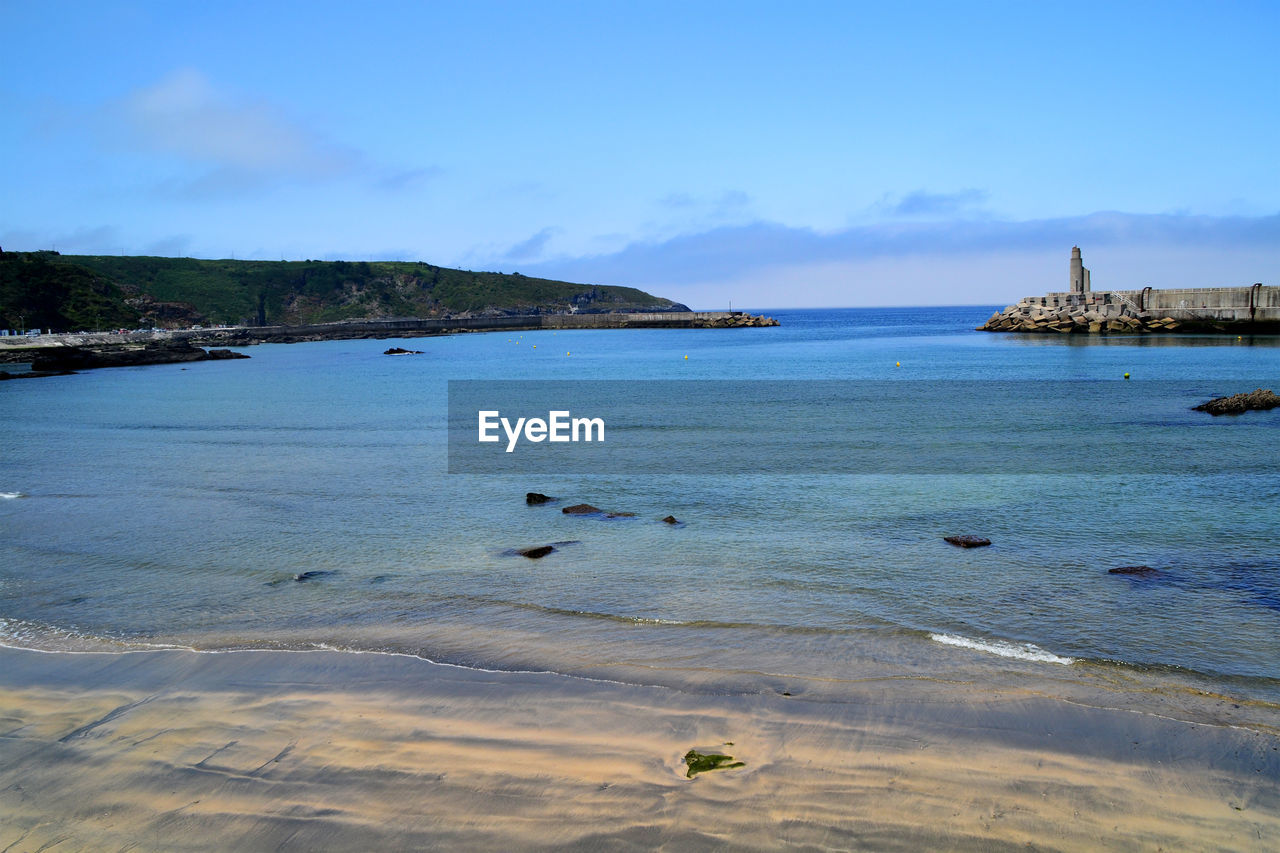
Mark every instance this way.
x=94 y=293
x=1253 y=309
x=77 y=312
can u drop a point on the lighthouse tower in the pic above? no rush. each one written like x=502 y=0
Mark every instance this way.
x=1079 y=275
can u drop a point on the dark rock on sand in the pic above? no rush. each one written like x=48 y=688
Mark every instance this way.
x=1259 y=400
x=535 y=498
x=1140 y=571
x=535 y=553
x=967 y=541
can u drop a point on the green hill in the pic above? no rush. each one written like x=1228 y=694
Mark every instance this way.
x=73 y=292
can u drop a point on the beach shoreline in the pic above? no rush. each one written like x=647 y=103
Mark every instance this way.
x=181 y=750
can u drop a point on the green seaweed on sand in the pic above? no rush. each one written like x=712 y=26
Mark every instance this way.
x=700 y=762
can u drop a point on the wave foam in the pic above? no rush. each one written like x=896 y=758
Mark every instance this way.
x=8 y=496
x=1021 y=651
x=34 y=637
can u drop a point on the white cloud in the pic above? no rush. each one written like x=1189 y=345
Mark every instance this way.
x=913 y=263
x=185 y=116
x=926 y=204
x=530 y=248
x=224 y=143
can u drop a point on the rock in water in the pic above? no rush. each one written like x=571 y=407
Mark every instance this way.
x=967 y=541
x=535 y=553
x=671 y=519
x=588 y=509
x=1259 y=400
x=1141 y=571
x=535 y=498
x=86 y=358
x=402 y=351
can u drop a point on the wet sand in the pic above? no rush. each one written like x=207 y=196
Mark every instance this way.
x=327 y=750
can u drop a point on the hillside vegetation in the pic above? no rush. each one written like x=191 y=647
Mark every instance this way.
x=73 y=292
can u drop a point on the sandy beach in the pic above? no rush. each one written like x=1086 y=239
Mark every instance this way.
x=176 y=750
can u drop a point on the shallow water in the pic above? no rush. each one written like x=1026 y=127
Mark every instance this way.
x=176 y=504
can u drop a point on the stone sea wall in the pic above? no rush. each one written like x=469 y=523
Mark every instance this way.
x=20 y=349
x=1253 y=309
x=442 y=326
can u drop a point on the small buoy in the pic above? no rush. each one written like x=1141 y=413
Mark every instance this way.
x=566 y=353
x=1126 y=376
x=897 y=364
x=535 y=346
x=686 y=358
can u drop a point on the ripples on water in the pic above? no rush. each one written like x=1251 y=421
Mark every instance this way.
x=177 y=506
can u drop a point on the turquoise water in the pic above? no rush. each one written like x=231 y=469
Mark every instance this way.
x=174 y=505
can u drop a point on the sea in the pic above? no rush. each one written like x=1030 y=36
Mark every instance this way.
x=304 y=499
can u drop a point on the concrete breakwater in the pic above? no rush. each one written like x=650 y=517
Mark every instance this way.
x=1210 y=309
x=1254 y=309
x=420 y=327
x=15 y=348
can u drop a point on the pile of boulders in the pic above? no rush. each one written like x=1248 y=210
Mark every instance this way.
x=1112 y=318
x=1261 y=400
x=731 y=321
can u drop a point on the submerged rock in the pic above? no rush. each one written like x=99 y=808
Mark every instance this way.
x=967 y=541
x=588 y=509
x=671 y=519
x=535 y=498
x=535 y=553
x=311 y=575
x=1259 y=400
x=1141 y=571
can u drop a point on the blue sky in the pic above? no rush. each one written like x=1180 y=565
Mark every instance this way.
x=773 y=154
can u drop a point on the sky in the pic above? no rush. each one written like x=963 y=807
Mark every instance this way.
x=772 y=155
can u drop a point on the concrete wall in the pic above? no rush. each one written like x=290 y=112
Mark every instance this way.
x=667 y=319
x=351 y=329
x=428 y=326
x=1202 y=308
x=1231 y=304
